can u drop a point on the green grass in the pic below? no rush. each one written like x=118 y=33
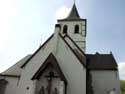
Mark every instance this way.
x=122 y=86
x=123 y=93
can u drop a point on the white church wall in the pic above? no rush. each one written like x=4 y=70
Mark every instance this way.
x=104 y=81
x=72 y=68
x=80 y=37
x=12 y=85
x=32 y=66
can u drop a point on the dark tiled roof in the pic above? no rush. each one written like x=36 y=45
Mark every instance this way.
x=101 y=62
x=73 y=15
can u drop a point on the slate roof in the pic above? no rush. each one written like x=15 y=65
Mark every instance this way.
x=15 y=70
x=73 y=15
x=101 y=62
x=90 y=61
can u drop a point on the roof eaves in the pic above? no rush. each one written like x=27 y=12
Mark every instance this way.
x=28 y=56
x=71 y=20
x=97 y=58
x=6 y=75
x=103 y=69
x=114 y=59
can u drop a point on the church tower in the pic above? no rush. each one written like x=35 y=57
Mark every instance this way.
x=75 y=27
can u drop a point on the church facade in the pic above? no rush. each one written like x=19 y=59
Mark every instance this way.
x=61 y=65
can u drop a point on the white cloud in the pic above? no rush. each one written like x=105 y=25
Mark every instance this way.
x=62 y=12
x=122 y=70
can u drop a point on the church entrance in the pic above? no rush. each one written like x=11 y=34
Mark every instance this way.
x=51 y=86
x=50 y=78
x=50 y=83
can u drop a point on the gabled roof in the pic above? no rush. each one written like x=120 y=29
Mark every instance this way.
x=101 y=62
x=51 y=59
x=15 y=70
x=78 y=56
x=37 y=51
x=73 y=15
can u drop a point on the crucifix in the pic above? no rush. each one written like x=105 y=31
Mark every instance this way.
x=50 y=77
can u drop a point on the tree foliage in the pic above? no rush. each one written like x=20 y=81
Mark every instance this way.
x=122 y=85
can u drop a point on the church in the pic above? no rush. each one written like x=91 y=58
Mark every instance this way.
x=62 y=66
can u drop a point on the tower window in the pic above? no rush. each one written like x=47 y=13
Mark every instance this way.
x=76 y=29
x=65 y=29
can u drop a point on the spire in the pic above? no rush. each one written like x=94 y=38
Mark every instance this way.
x=73 y=13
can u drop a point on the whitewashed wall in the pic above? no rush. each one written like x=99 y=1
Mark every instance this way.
x=12 y=84
x=32 y=67
x=103 y=81
x=72 y=68
x=70 y=65
x=76 y=37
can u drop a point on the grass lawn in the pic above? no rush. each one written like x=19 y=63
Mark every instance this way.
x=123 y=93
x=122 y=86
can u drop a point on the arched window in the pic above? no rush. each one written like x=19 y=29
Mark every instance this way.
x=76 y=29
x=65 y=28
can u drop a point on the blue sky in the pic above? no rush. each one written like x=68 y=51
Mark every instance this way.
x=25 y=24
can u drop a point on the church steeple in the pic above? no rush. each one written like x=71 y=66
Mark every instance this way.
x=75 y=27
x=74 y=13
